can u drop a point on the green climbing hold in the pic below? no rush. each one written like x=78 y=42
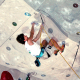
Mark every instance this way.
x=14 y=23
x=28 y=78
x=29 y=52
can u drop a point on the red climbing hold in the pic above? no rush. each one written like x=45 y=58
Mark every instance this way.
x=6 y=76
x=75 y=5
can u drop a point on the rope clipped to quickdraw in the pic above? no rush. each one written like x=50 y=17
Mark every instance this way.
x=61 y=55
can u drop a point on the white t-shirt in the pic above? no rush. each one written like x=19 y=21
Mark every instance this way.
x=34 y=49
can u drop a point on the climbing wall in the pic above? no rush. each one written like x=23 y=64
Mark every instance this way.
x=13 y=21
x=65 y=14
x=1 y=1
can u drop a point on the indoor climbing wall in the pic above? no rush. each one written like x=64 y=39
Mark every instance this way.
x=64 y=13
x=16 y=17
x=1 y=1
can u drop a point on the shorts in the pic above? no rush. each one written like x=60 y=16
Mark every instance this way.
x=43 y=53
x=48 y=49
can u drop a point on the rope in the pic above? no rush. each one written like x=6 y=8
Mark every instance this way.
x=70 y=66
x=40 y=39
x=75 y=56
x=61 y=54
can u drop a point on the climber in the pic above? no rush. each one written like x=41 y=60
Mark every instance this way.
x=33 y=48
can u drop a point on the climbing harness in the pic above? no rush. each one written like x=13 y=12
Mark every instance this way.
x=59 y=52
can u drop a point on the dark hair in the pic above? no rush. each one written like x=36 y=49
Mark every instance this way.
x=20 y=38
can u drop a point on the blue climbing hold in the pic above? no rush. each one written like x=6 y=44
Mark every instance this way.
x=68 y=75
x=27 y=14
x=43 y=75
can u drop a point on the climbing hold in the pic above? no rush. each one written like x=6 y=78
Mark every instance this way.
x=27 y=14
x=28 y=78
x=8 y=48
x=43 y=75
x=7 y=63
x=75 y=5
x=6 y=76
x=14 y=23
x=50 y=30
x=67 y=75
x=29 y=52
x=78 y=33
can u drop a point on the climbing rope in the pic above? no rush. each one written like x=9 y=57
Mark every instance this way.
x=40 y=39
x=75 y=56
x=59 y=52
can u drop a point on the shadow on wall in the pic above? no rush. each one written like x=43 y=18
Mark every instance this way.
x=1 y=1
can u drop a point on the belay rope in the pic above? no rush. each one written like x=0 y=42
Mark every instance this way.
x=75 y=56
x=59 y=52
x=40 y=39
x=41 y=32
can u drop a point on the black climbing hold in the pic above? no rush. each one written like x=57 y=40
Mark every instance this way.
x=67 y=75
x=50 y=30
x=8 y=48
x=43 y=75
x=75 y=5
x=14 y=23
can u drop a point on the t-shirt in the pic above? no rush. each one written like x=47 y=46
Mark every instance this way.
x=34 y=49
